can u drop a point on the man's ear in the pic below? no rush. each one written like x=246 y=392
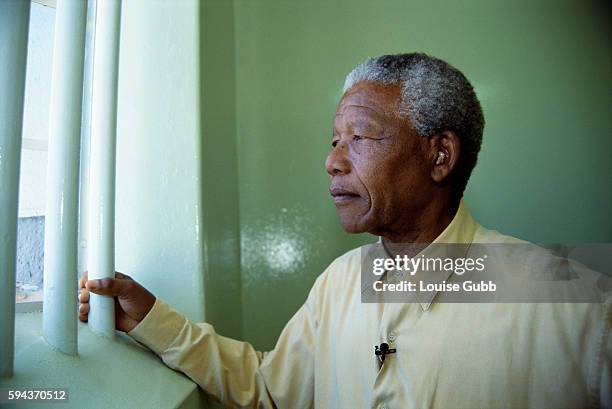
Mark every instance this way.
x=445 y=149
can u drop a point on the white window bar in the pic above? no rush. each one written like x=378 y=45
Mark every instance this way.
x=101 y=242
x=61 y=219
x=14 y=21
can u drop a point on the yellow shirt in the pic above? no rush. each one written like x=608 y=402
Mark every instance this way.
x=448 y=355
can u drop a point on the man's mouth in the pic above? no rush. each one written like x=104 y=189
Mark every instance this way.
x=342 y=195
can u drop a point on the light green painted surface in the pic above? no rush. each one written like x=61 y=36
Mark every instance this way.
x=105 y=374
x=541 y=70
x=14 y=19
x=220 y=210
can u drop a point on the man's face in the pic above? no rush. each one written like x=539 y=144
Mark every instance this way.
x=378 y=164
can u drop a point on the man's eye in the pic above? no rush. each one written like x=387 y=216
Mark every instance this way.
x=334 y=143
x=357 y=137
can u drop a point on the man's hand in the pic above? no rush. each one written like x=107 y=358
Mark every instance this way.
x=132 y=301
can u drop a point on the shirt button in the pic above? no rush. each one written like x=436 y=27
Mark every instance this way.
x=392 y=337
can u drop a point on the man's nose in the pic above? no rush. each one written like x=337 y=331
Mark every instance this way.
x=337 y=162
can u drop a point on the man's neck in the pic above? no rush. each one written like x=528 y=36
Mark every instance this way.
x=424 y=227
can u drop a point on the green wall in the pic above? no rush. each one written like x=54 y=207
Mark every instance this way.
x=541 y=71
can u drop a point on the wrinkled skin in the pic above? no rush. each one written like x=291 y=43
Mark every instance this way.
x=384 y=176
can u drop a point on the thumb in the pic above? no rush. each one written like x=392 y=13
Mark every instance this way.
x=108 y=286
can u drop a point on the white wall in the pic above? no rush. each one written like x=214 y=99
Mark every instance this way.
x=158 y=236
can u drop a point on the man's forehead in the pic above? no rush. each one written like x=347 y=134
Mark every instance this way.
x=370 y=99
x=348 y=109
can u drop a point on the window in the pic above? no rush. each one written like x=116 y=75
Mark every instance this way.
x=32 y=185
x=33 y=172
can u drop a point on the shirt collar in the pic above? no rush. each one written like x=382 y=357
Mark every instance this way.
x=461 y=230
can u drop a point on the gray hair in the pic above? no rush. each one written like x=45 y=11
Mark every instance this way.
x=435 y=97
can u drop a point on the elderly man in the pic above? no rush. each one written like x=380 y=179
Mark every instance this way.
x=406 y=137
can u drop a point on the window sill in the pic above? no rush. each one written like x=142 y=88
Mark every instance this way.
x=106 y=374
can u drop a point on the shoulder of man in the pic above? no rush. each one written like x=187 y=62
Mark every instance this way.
x=567 y=268
x=341 y=279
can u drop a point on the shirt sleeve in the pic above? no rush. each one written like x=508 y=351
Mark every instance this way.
x=233 y=371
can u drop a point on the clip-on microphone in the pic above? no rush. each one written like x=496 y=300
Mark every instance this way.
x=381 y=351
